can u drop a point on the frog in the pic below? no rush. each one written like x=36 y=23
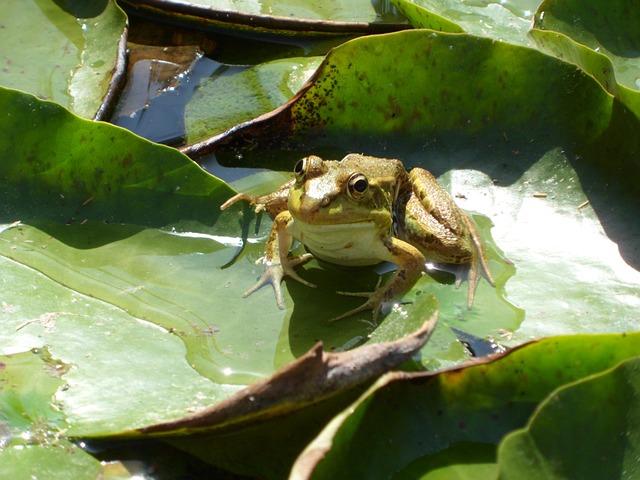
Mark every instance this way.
x=361 y=211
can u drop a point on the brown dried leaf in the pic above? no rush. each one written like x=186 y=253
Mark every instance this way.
x=311 y=378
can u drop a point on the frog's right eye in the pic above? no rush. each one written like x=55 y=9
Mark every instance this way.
x=300 y=169
x=358 y=186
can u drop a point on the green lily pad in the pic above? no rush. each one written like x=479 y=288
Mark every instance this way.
x=436 y=422
x=31 y=423
x=236 y=94
x=69 y=52
x=85 y=218
x=517 y=149
x=607 y=27
x=507 y=21
x=425 y=87
x=564 y=439
x=301 y=17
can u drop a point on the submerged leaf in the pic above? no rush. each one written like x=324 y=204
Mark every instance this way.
x=236 y=94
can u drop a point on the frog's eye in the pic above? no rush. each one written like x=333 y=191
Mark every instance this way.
x=300 y=169
x=358 y=185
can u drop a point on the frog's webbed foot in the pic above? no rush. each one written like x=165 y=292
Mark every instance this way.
x=478 y=267
x=274 y=273
x=374 y=303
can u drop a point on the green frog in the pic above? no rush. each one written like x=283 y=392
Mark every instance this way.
x=365 y=210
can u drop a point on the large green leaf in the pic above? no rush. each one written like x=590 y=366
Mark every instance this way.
x=525 y=151
x=420 y=86
x=83 y=217
x=564 y=439
x=433 y=423
x=70 y=52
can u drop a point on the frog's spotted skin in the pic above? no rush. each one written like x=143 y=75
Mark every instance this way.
x=362 y=211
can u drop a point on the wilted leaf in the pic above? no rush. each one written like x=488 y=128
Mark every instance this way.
x=69 y=52
x=309 y=379
x=567 y=438
x=439 y=421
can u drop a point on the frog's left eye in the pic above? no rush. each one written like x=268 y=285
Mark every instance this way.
x=358 y=185
x=301 y=169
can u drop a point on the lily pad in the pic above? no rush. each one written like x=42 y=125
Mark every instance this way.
x=68 y=52
x=421 y=86
x=301 y=17
x=564 y=439
x=31 y=424
x=507 y=21
x=436 y=422
x=526 y=152
x=166 y=285
x=607 y=27
x=237 y=94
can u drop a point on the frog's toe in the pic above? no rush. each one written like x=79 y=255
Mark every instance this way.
x=364 y=307
x=298 y=278
x=272 y=275
x=293 y=262
x=373 y=303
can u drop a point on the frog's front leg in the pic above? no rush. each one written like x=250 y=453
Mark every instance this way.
x=277 y=262
x=411 y=264
x=273 y=203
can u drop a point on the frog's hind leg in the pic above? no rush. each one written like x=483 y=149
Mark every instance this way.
x=479 y=266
